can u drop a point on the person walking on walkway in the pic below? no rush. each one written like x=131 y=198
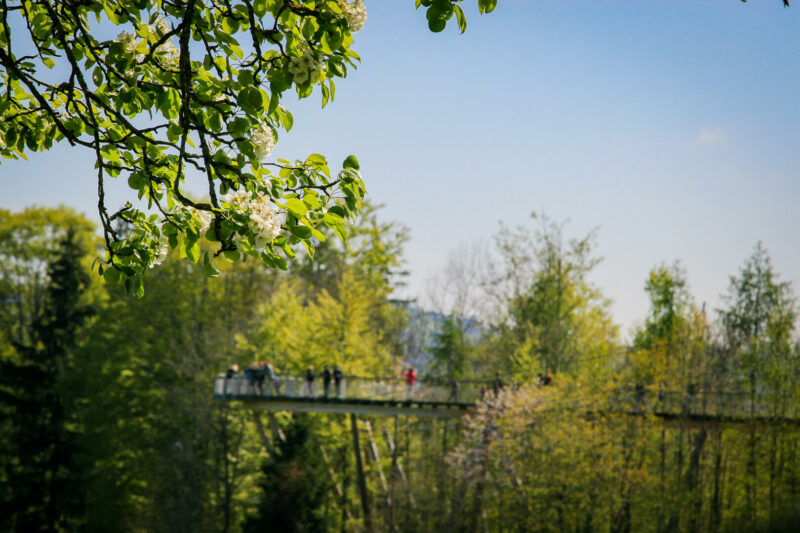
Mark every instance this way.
x=326 y=381
x=269 y=377
x=310 y=382
x=337 y=380
x=497 y=384
x=411 y=377
x=454 y=386
x=258 y=372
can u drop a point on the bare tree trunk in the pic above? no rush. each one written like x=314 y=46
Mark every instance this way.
x=716 y=498
x=692 y=481
x=361 y=478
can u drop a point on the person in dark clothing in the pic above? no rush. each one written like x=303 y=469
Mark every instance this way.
x=454 y=386
x=250 y=376
x=337 y=380
x=229 y=375
x=497 y=384
x=310 y=382
x=259 y=374
x=326 y=381
x=640 y=391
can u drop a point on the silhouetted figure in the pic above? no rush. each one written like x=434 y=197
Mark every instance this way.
x=229 y=375
x=337 y=380
x=250 y=376
x=640 y=390
x=547 y=379
x=497 y=384
x=259 y=373
x=310 y=382
x=454 y=386
x=326 y=381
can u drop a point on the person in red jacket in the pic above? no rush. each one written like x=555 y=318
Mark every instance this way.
x=411 y=377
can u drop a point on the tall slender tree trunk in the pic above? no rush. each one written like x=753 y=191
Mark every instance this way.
x=360 y=477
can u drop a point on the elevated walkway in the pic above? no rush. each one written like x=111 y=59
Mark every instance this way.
x=365 y=396
x=390 y=396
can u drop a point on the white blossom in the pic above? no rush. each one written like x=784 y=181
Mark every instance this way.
x=264 y=216
x=306 y=68
x=169 y=54
x=160 y=253
x=162 y=26
x=263 y=141
x=355 y=13
x=205 y=218
x=264 y=220
x=128 y=41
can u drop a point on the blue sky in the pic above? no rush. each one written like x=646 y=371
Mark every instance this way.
x=673 y=127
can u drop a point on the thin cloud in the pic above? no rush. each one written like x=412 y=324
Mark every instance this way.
x=710 y=137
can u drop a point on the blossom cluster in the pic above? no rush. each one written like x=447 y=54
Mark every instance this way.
x=161 y=252
x=265 y=221
x=205 y=218
x=306 y=68
x=355 y=13
x=128 y=42
x=263 y=141
x=167 y=53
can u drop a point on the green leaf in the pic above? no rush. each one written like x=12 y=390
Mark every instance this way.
x=112 y=275
x=296 y=207
x=192 y=251
x=486 y=6
x=250 y=99
x=351 y=162
x=208 y=266
x=462 y=20
x=138 y=286
x=301 y=232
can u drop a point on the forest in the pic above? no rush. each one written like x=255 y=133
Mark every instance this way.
x=109 y=422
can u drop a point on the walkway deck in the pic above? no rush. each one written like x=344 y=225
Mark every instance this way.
x=355 y=395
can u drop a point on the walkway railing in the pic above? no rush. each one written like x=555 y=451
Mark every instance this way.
x=709 y=404
x=351 y=389
x=394 y=392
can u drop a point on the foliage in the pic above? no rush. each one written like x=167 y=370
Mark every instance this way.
x=294 y=483
x=28 y=241
x=144 y=447
x=450 y=351
x=554 y=315
x=189 y=90
x=41 y=466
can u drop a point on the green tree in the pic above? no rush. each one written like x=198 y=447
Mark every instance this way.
x=45 y=488
x=451 y=350
x=294 y=483
x=758 y=327
x=555 y=317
